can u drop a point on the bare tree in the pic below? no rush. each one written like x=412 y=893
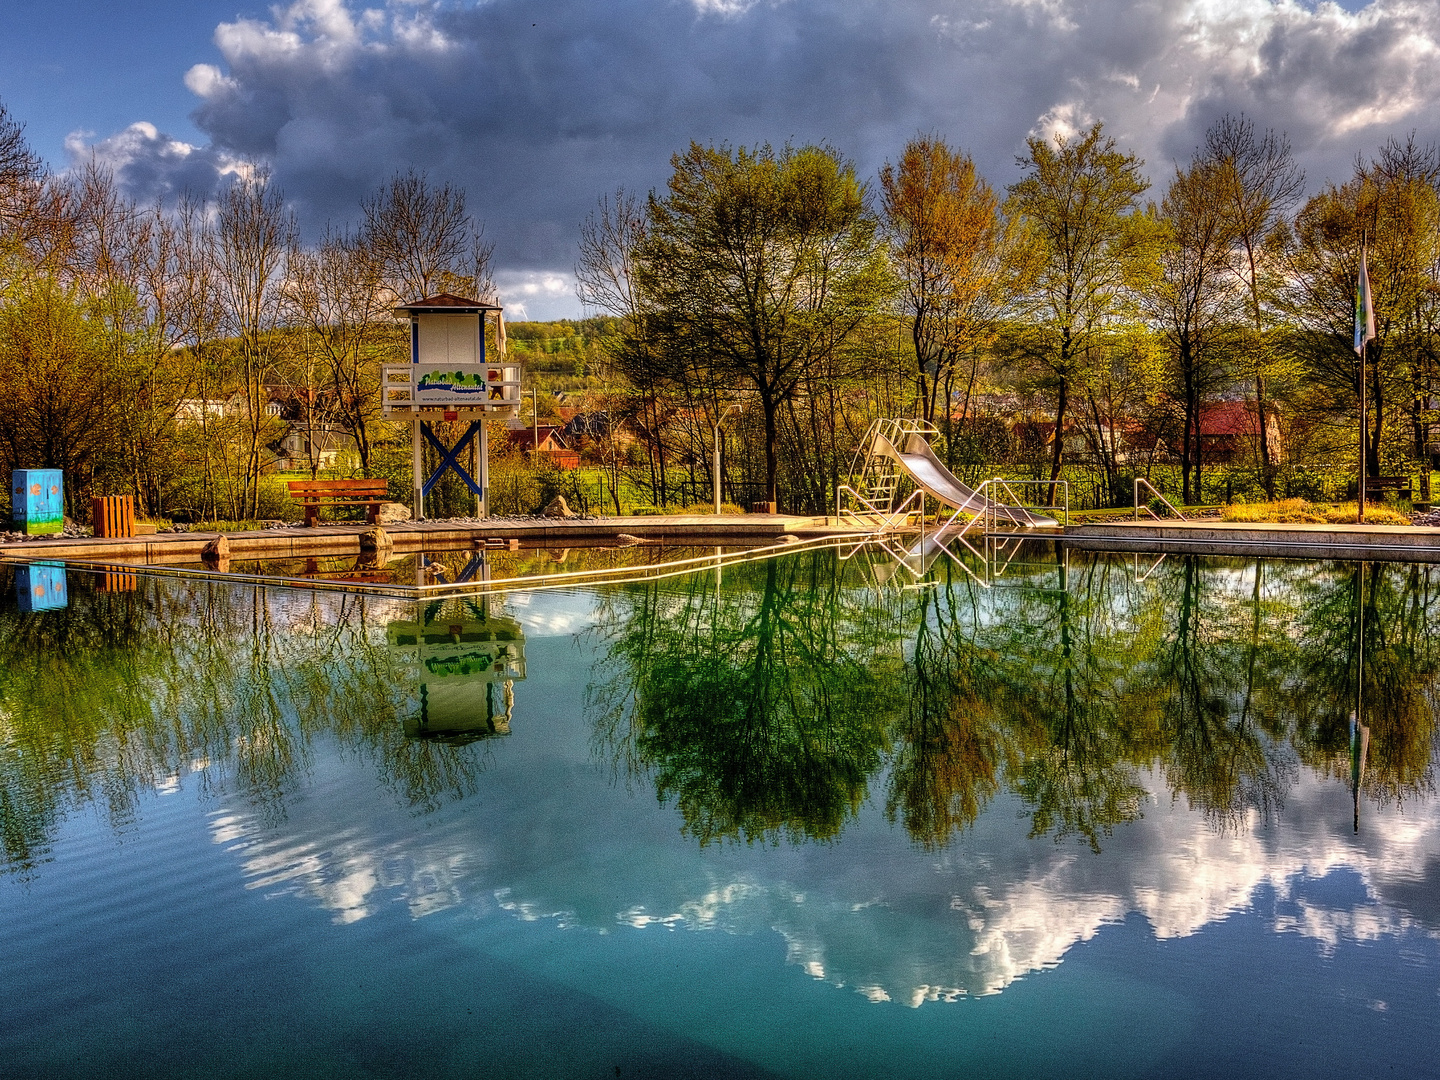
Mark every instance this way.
x=609 y=239
x=1189 y=300
x=336 y=293
x=254 y=231
x=606 y=280
x=1259 y=183
x=425 y=240
x=36 y=209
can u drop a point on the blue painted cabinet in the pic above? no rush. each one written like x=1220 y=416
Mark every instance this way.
x=37 y=501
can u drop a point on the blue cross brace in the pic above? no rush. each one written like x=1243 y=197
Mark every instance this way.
x=474 y=566
x=449 y=459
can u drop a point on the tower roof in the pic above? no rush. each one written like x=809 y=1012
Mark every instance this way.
x=448 y=304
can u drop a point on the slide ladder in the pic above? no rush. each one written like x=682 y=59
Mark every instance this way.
x=896 y=451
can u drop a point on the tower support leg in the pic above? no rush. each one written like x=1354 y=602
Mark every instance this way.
x=417 y=451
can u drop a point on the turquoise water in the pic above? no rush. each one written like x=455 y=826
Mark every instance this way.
x=798 y=822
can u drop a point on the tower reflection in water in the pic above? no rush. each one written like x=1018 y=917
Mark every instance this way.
x=467 y=660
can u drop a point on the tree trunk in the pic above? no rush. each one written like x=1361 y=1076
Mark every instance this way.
x=1377 y=400
x=1061 y=401
x=1190 y=425
x=1267 y=476
x=772 y=462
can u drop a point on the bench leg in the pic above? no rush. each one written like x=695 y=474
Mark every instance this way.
x=312 y=515
x=372 y=512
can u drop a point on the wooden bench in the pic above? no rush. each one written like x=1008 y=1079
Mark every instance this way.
x=313 y=494
x=1378 y=485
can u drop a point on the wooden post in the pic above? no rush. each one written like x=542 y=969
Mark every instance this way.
x=475 y=470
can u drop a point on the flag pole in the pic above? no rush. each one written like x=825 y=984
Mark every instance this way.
x=1364 y=332
x=1360 y=491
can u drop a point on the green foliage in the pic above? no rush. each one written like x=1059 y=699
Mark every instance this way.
x=167 y=352
x=758 y=268
x=766 y=709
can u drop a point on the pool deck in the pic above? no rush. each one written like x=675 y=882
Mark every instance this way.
x=344 y=539
x=1387 y=542
x=1391 y=543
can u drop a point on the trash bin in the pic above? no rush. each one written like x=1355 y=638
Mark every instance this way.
x=113 y=515
x=37 y=501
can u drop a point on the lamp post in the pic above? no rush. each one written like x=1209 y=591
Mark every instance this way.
x=720 y=420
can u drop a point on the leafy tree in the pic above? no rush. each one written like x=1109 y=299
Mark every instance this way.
x=1076 y=205
x=58 y=408
x=760 y=266
x=948 y=243
x=1397 y=217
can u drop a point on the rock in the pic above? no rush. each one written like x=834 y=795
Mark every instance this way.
x=391 y=512
x=374 y=560
x=376 y=539
x=630 y=540
x=216 y=549
x=557 y=508
x=789 y=538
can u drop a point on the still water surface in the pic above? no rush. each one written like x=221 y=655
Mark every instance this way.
x=796 y=822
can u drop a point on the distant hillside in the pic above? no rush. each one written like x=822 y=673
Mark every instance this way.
x=564 y=355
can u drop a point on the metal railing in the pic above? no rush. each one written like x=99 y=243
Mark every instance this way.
x=888 y=520
x=1139 y=481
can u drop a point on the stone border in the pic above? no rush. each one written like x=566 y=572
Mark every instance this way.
x=420 y=536
x=1393 y=543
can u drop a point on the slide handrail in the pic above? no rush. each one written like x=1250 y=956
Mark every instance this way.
x=1139 y=480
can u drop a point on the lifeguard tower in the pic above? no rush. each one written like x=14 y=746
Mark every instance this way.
x=450 y=377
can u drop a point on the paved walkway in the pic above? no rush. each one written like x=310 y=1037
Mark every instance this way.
x=342 y=539
x=1401 y=543
x=1397 y=542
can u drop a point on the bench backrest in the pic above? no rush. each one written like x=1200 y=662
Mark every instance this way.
x=352 y=488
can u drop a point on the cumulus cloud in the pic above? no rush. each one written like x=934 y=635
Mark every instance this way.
x=536 y=294
x=152 y=165
x=538 y=108
x=1000 y=905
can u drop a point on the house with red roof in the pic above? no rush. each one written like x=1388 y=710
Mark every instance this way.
x=1230 y=430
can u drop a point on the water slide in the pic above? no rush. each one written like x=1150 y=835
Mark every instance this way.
x=919 y=462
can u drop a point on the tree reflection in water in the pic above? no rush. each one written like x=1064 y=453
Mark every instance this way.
x=122 y=693
x=768 y=706
x=761 y=708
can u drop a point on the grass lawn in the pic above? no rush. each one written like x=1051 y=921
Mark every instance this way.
x=1298 y=511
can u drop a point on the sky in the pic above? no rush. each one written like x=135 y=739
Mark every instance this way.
x=538 y=107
